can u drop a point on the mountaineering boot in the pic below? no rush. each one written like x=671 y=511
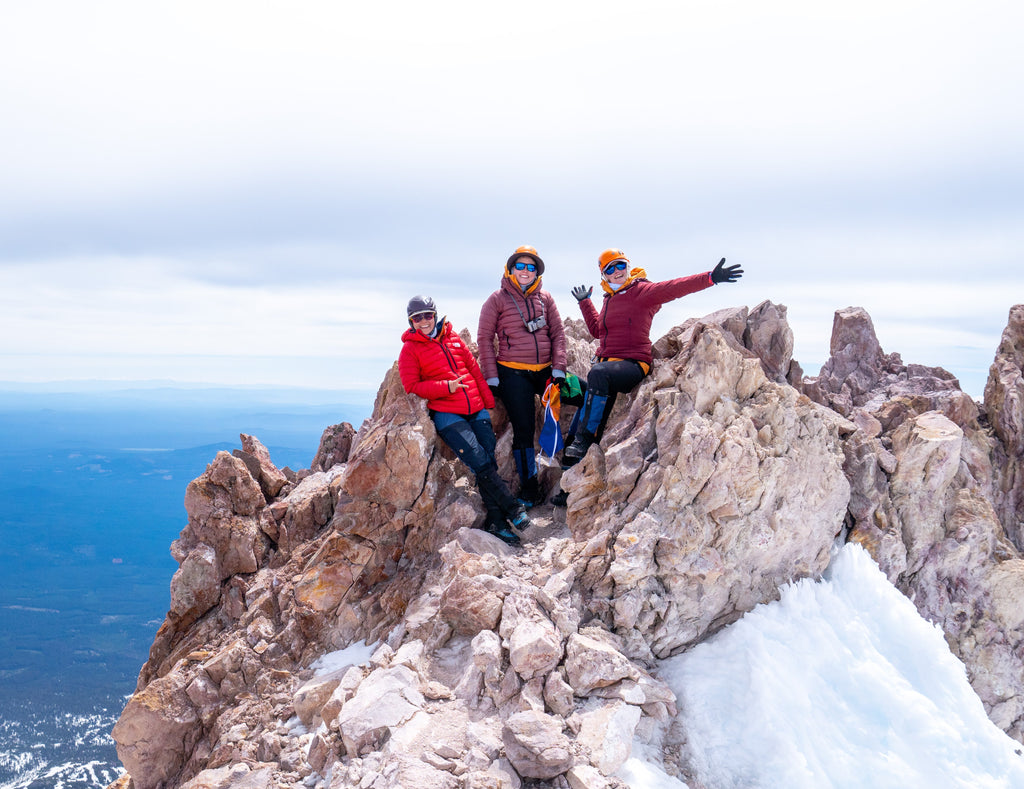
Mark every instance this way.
x=577 y=450
x=494 y=523
x=529 y=492
x=520 y=520
x=494 y=491
x=574 y=426
x=505 y=534
x=529 y=486
x=560 y=499
x=593 y=413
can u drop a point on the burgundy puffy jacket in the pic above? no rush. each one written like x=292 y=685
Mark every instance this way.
x=426 y=365
x=624 y=324
x=502 y=335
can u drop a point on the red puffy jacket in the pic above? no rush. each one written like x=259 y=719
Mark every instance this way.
x=624 y=324
x=427 y=364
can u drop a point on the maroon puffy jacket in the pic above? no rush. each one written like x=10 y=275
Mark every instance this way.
x=502 y=335
x=426 y=365
x=624 y=324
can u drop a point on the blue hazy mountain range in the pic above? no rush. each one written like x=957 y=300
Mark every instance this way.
x=94 y=482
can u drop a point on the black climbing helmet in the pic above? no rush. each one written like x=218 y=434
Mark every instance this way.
x=418 y=304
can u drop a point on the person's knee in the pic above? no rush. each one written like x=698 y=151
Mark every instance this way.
x=598 y=380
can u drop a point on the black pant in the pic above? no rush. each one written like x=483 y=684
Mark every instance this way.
x=607 y=379
x=519 y=388
x=471 y=437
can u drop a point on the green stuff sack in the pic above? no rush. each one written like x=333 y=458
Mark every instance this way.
x=570 y=386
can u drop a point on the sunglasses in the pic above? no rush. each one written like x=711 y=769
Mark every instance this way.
x=527 y=266
x=616 y=265
x=419 y=317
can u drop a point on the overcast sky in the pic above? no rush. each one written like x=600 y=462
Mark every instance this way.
x=249 y=192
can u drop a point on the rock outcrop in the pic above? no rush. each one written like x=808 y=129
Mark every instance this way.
x=723 y=477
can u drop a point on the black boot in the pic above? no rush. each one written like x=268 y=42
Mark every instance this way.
x=495 y=523
x=529 y=492
x=504 y=533
x=520 y=520
x=501 y=505
x=560 y=499
x=577 y=450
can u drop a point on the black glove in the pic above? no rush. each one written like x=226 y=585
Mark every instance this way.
x=582 y=292
x=725 y=274
x=495 y=390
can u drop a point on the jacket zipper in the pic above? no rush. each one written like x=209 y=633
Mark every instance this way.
x=455 y=369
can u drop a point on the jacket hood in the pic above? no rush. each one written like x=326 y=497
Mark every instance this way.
x=635 y=275
x=511 y=279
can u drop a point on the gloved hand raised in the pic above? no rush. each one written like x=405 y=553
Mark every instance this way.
x=723 y=273
x=582 y=292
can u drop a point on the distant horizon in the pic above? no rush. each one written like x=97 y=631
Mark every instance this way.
x=131 y=384
x=972 y=381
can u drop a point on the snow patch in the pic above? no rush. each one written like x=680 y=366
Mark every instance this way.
x=840 y=683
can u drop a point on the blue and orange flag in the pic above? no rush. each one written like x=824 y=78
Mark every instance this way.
x=550 y=432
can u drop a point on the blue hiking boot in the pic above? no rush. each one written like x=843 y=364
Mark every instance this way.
x=521 y=521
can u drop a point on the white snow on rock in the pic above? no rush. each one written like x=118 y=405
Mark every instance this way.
x=838 y=684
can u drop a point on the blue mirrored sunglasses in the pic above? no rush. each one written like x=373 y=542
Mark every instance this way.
x=615 y=265
x=419 y=317
x=527 y=266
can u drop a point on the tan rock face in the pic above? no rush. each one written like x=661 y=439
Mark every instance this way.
x=1004 y=404
x=935 y=494
x=720 y=486
x=717 y=481
x=335 y=445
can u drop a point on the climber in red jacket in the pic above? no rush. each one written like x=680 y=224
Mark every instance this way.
x=623 y=328
x=435 y=364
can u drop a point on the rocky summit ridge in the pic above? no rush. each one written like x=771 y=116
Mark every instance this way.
x=726 y=475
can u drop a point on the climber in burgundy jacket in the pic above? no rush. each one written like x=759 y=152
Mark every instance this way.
x=435 y=364
x=521 y=342
x=623 y=331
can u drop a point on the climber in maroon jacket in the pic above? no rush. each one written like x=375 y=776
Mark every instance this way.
x=522 y=349
x=623 y=329
x=436 y=365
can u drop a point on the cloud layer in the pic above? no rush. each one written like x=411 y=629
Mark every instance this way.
x=247 y=185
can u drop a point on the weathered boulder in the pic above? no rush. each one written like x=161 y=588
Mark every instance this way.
x=195 y=585
x=534 y=645
x=472 y=604
x=386 y=699
x=269 y=476
x=305 y=511
x=592 y=663
x=769 y=337
x=335 y=445
x=156 y=732
x=859 y=374
x=388 y=462
x=225 y=487
x=607 y=729
x=536 y=745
